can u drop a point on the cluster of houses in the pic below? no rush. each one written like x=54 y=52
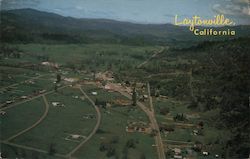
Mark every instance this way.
x=178 y=154
x=16 y=99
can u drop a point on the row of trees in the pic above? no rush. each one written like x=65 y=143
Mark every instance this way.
x=110 y=147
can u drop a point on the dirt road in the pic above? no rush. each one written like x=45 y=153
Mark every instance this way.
x=35 y=124
x=95 y=128
x=158 y=140
x=153 y=56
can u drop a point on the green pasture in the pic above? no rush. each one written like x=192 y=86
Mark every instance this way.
x=21 y=117
x=60 y=123
x=27 y=89
x=90 y=55
x=113 y=126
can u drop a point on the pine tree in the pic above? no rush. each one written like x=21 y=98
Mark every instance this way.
x=134 y=97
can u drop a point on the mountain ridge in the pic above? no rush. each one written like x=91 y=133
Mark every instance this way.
x=35 y=22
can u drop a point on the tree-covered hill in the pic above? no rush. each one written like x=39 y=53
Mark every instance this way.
x=212 y=76
x=29 y=25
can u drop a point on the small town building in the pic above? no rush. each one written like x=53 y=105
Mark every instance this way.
x=55 y=104
x=9 y=101
x=205 y=153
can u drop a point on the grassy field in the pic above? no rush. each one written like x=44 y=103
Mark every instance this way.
x=14 y=152
x=63 y=121
x=171 y=76
x=24 y=87
x=89 y=56
x=10 y=75
x=113 y=124
x=210 y=136
x=60 y=123
x=20 y=117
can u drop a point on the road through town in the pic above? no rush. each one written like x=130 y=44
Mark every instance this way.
x=151 y=116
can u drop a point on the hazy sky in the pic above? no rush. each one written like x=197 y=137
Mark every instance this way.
x=140 y=11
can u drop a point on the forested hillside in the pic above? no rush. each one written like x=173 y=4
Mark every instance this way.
x=29 y=25
x=214 y=77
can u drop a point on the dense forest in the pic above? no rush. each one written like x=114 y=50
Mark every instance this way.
x=221 y=80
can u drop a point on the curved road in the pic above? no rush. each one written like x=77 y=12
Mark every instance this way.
x=36 y=123
x=95 y=128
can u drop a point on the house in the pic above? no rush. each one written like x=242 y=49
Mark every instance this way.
x=2 y=112
x=195 y=132
x=24 y=97
x=51 y=64
x=75 y=136
x=177 y=157
x=177 y=150
x=205 y=153
x=76 y=97
x=145 y=96
x=71 y=80
x=55 y=104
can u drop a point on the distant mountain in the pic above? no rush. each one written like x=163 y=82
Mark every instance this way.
x=32 y=25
